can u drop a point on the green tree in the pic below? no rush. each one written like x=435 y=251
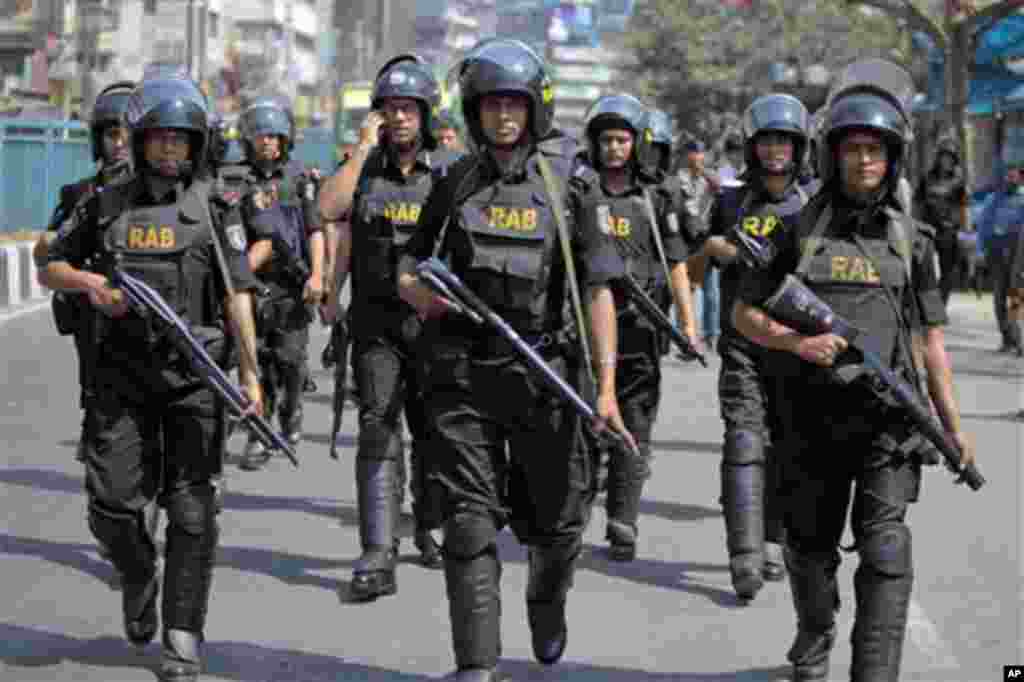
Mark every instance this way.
x=703 y=61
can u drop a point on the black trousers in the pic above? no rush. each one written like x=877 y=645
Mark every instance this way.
x=153 y=434
x=284 y=341
x=1001 y=266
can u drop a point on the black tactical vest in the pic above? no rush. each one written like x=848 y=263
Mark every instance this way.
x=625 y=219
x=384 y=219
x=292 y=200
x=851 y=277
x=513 y=241
x=167 y=248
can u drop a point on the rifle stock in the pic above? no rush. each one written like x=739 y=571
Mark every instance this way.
x=149 y=304
x=796 y=306
x=445 y=283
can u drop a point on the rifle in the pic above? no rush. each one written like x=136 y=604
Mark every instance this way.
x=335 y=355
x=796 y=306
x=445 y=283
x=650 y=310
x=150 y=305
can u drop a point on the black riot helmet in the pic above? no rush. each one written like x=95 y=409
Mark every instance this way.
x=108 y=110
x=871 y=94
x=409 y=76
x=660 y=126
x=501 y=65
x=176 y=103
x=778 y=113
x=618 y=112
x=267 y=115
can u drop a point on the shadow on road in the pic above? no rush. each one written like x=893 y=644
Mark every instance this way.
x=674 y=511
x=526 y=671
x=686 y=446
x=80 y=557
x=995 y=416
x=44 y=479
x=34 y=648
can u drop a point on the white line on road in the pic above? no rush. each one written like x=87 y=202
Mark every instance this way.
x=22 y=311
x=925 y=636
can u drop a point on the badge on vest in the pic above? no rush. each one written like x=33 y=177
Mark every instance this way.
x=236 y=237
x=512 y=218
x=673 y=223
x=760 y=226
x=145 y=237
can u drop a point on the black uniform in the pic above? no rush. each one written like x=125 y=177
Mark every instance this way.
x=154 y=431
x=283 y=317
x=848 y=441
x=638 y=370
x=752 y=514
x=940 y=196
x=506 y=450
x=386 y=362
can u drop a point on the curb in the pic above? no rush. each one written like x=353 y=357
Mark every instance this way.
x=18 y=284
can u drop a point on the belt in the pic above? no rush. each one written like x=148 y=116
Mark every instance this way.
x=495 y=345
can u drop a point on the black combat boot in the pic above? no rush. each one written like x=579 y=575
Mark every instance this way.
x=626 y=476
x=138 y=605
x=373 y=574
x=551 y=574
x=816 y=599
x=180 y=661
x=430 y=550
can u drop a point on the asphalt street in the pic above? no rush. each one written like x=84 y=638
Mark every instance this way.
x=280 y=610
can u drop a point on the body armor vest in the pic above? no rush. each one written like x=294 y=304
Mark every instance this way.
x=385 y=218
x=292 y=200
x=853 y=283
x=166 y=246
x=513 y=237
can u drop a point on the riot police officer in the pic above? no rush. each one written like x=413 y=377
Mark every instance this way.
x=393 y=176
x=940 y=195
x=287 y=255
x=506 y=452
x=227 y=160
x=642 y=220
x=855 y=249
x=109 y=140
x=163 y=227
x=775 y=127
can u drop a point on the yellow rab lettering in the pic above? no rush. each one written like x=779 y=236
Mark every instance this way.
x=620 y=227
x=854 y=269
x=514 y=219
x=143 y=237
x=402 y=213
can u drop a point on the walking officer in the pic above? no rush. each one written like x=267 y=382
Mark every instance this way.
x=857 y=250
x=109 y=139
x=775 y=127
x=227 y=161
x=287 y=255
x=392 y=172
x=506 y=451
x=641 y=218
x=154 y=431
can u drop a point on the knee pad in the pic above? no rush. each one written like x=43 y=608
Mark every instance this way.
x=468 y=534
x=885 y=548
x=378 y=440
x=192 y=510
x=743 y=447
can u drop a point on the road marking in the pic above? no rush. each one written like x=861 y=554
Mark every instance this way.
x=22 y=311
x=925 y=636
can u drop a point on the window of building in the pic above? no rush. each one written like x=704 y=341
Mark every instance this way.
x=214 y=22
x=149 y=6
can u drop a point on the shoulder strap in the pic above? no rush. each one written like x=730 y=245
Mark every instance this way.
x=558 y=209
x=199 y=192
x=813 y=241
x=899 y=235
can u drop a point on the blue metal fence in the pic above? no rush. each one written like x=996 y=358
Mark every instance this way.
x=38 y=157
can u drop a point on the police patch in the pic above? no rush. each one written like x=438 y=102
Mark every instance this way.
x=236 y=237
x=604 y=219
x=673 y=223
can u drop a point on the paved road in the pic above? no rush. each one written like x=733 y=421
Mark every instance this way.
x=280 y=611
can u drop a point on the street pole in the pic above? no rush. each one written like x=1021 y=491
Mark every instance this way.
x=189 y=28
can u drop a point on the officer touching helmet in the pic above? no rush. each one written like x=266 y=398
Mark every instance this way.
x=495 y=221
x=855 y=249
x=629 y=205
x=393 y=178
x=155 y=431
x=775 y=128
x=281 y=200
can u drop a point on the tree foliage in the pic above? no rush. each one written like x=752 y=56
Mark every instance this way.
x=703 y=61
